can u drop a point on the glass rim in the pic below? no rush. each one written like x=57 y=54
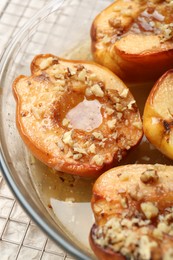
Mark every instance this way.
x=49 y=8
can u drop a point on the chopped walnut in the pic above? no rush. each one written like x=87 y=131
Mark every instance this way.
x=119 y=107
x=45 y=63
x=67 y=138
x=97 y=91
x=169 y=218
x=77 y=156
x=69 y=154
x=60 y=145
x=145 y=246
x=79 y=150
x=114 y=135
x=88 y=92
x=92 y=149
x=123 y=201
x=79 y=67
x=124 y=93
x=98 y=160
x=161 y=228
x=112 y=123
x=82 y=75
x=109 y=111
x=102 y=144
x=60 y=82
x=97 y=208
x=167 y=32
x=24 y=113
x=120 y=236
x=136 y=194
x=65 y=122
x=138 y=125
x=149 y=210
x=98 y=135
x=71 y=72
x=149 y=176
x=169 y=254
x=119 y=115
x=130 y=105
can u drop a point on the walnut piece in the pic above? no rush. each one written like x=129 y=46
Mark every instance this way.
x=149 y=210
x=149 y=176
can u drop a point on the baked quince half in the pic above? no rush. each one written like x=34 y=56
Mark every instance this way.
x=134 y=38
x=158 y=115
x=133 y=209
x=76 y=117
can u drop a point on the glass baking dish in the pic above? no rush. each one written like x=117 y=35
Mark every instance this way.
x=58 y=203
x=61 y=28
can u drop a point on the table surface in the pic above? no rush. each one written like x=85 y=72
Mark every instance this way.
x=20 y=238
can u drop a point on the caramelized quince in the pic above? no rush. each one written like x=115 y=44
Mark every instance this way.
x=133 y=209
x=76 y=116
x=134 y=38
x=158 y=115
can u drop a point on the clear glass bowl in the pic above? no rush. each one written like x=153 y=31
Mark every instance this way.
x=59 y=204
x=61 y=28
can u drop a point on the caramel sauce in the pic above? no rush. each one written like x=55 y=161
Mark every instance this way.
x=151 y=19
x=81 y=113
x=148 y=21
x=66 y=197
x=86 y=115
x=66 y=103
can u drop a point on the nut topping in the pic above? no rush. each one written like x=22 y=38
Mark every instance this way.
x=149 y=210
x=149 y=176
